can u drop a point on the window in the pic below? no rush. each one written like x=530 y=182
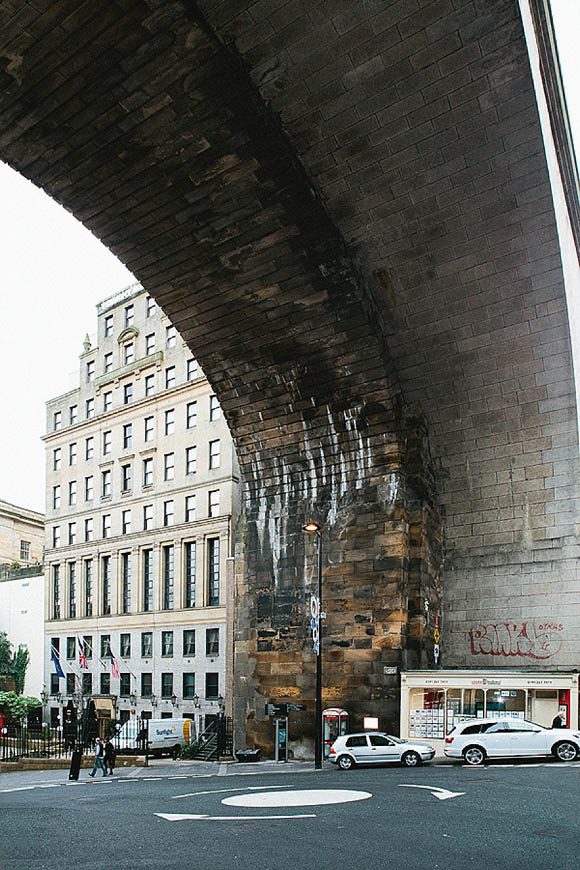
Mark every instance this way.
x=211 y=685
x=127 y=394
x=357 y=741
x=168 y=577
x=169 y=377
x=106 y=486
x=190 y=555
x=108 y=363
x=107 y=401
x=149 y=343
x=147 y=471
x=190 y=508
x=146 y=685
x=169 y=466
x=168 y=513
x=89 y=408
x=147 y=580
x=105 y=684
x=189 y=685
x=125 y=478
x=56 y=536
x=212 y=641
x=213 y=571
x=215 y=411
x=127 y=435
x=87 y=684
x=88 y=569
x=73 y=413
x=57 y=420
x=124 y=685
x=129 y=353
x=89 y=447
x=192 y=368
x=149 y=428
x=151 y=306
x=146 y=644
x=107 y=441
x=189 y=642
x=90 y=371
x=25 y=551
x=125 y=646
x=56 y=458
x=166 y=685
x=72 y=492
x=72 y=453
x=213 y=499
x=70 y=683
x=105 y=646
x=190 y=460
x=126 y=582
x=170 y=422
x=191 y=416
x=106 y=578
x=72 y=533
x=55 y=642
x=56 y=591
x=149 y=385
x=72 y=590
x=88 y=645
x=129 y=314
x=147 y=517
x=108 y=325
x=55 y=497
x=70 y=648
x=170 y=336
x=214 y=454
x=89 y=488
x=106 y=525
x=126 y=522
x=89 y=530
x=166 y=643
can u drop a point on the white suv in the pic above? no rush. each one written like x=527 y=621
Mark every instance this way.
x=478 y=739
x=374 y=747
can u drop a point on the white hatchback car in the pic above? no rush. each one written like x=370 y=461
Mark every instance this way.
x=478 y=739
x=374 y=747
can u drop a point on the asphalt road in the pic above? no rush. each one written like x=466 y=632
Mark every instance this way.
x=509 y=816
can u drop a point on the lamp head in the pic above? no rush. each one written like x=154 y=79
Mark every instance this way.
x=311 y=527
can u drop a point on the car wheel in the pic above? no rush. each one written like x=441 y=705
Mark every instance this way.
x=345 y=762
x=411 y=759
x=565 y=751
x=474 y=755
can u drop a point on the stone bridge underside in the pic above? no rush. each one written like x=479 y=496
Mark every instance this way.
x=344 y=208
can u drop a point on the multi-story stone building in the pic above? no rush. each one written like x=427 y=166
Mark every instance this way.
x=21 y=535
x=141 y=493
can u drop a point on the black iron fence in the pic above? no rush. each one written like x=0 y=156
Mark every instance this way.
x=38 y=741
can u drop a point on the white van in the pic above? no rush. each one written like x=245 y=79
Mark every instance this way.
x=164 y=736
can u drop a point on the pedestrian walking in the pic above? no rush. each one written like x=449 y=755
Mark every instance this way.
x=559 y=721
x=110 y=757
x=99 y=758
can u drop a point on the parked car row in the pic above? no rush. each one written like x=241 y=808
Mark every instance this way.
x=473 y=741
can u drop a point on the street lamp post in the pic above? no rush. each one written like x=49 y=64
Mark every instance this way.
x=314 y=528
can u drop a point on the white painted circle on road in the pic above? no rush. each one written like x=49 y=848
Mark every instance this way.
x=305 y=798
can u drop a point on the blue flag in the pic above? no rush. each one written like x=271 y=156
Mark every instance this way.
x=57 y=665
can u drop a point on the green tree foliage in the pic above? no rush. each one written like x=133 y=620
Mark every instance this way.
x=18 y=705
x=13 y=666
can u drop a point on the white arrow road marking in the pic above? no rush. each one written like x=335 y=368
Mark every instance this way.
x=442 y=793
x=180 y=817
x=222 y=790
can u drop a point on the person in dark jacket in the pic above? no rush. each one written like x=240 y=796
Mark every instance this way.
x=99 y=758
x=559 y=721
x=110 y=757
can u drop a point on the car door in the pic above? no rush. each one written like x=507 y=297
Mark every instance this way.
x=358 y=747
x=529 y=739
x=382 y=749
x=497 y=739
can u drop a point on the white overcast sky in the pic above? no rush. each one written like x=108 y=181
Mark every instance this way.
x=52 y=274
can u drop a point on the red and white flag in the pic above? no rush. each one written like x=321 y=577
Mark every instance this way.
x=114 y=668
x=82 y=656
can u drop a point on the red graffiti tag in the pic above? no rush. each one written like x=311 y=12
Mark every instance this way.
x=509 y=639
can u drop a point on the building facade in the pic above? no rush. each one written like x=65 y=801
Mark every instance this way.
x=141 y=494
x=21 y=535
x=22 y=617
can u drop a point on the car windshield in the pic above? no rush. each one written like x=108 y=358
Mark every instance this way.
x=394 y=739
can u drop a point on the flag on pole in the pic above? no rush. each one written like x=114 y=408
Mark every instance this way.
x=114 y=668
x=57 y=665
x=82 y=656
